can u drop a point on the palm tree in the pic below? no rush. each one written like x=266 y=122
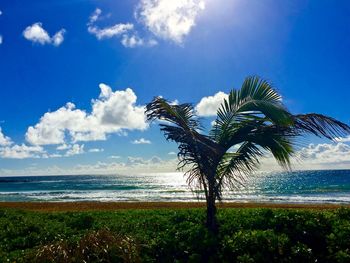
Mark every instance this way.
x=254 y=120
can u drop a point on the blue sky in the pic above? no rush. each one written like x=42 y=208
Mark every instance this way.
x=66 y=66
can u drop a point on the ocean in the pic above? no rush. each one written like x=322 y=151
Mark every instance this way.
x=326 y=186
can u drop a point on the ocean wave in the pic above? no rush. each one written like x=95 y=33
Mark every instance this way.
x=296 y=187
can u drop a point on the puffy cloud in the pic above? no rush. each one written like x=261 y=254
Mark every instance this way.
x=112 y=112
x=4 y=140
x=208 y=106
x=325 y=153
x=21 y=152
x=37 y=34
x=315 y=156
x=75 y=149
x=58 y=38
x=141 y=141
x=171 y=20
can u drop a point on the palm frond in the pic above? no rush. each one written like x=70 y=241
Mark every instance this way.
x=181 y=115
x=196 y=151
x=320 y=126
x=235 y=166
x=256 y=101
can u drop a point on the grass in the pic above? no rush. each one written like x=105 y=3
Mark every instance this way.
x=176 y=235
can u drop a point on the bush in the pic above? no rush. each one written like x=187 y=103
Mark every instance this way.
x=256 y=245
x=245 y=235
x=99 y=246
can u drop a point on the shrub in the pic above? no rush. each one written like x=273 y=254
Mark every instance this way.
x=256 y=245
x=97 y=246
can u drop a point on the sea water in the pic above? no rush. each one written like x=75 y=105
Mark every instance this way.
x=326 y=186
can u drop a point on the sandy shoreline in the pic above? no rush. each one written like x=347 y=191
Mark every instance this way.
x=109 y=206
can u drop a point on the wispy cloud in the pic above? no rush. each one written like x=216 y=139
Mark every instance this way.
x=1 y=37
x=107 y=32
x=141 y=141
x=37 y=34
x=96 y=150
x=114 y=157
x=129 y=37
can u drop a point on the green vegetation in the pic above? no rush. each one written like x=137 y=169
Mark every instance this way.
x=249 y=123
x=245 y=235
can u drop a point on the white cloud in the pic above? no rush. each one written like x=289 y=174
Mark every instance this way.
x=95 y=16
x=171 y=20
x=107 y=32
x=21 y=152
x=75 y=149
x=133 y=40
x=172 y=153
x=315 y=156
x=141 y=141
x=58 y=38
x=139 y=161
x=95 y=150
x=129 y=37
x=114 y=157
x=4 y=140
x=208 y=106
x=326 y=153
x=112 y=112
x=1 y=38
x=342 y=139
x=63 y=147
x=37 y=34
x=153 y=165
x=110 y=32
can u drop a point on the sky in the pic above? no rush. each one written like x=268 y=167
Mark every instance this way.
x=75 y=76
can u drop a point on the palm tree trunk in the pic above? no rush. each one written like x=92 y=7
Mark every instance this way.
x=211 y=223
